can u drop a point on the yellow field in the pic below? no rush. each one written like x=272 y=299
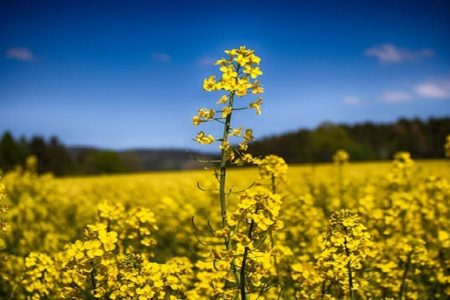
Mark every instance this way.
x=392 y=238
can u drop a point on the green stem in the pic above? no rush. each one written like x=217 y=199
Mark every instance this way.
x=277 y=268
x=274 y=187
x=92 y=275
x=244 y=263
x=405 y=274
x=349 y=270
x=242 y=283
x=322 y=289
x=223 y=168
x=222 y=184
x=350 y=281
x=341 y=184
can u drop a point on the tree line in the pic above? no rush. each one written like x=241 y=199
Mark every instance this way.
x=56 y=158
x=363 y=141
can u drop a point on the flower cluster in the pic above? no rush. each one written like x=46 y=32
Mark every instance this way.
x=239 y=71
x=345 y=247
x=341 y=157
x=135 y=226
x=139 y=278
x=86 y=264
x=402 y=160
x=401 y=173
x=40 y=276
x=273 y=168
x=251 y=225
x=257 y=206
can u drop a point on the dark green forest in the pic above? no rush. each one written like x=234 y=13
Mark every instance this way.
x=60 y=160
x=363 y=141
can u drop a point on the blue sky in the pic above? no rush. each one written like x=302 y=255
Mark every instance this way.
x=125 y=74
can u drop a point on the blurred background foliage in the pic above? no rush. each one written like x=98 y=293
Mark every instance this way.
x=363 y=141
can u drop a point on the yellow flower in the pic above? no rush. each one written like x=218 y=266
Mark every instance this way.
x=209 y=84
x=255 y=59
x=243 y=146
x=196 y=120
x=248 y=136
x=231 y=52
x=226 y=111
x=242 y=59
x=242 y=86
x=257 y=105
x=228 y=84
x=206 y=114
x=222 y=99
x=93 y=248
x=108 y=239
x=75 y=250
x=236 y=132
x=221 y=61
x=244 y=50
x=225 y=145
x=257 y=88
x=228 y=72
x=253 y=71
x=202 y=138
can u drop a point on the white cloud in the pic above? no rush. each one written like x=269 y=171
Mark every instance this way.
x=397 y=96
x=432 y=89
x=161 y=57
x=352 y=100
x=19 y=53
x=389 y=54
x=437 y=89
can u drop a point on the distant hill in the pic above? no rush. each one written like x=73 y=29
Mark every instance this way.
x=136 y=160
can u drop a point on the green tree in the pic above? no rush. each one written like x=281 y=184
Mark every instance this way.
x=11 y=153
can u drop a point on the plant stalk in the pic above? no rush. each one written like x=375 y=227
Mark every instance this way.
x=405 y=274
x=223 y=169
x=222 y=184
x=350 y=275
x=244 y=262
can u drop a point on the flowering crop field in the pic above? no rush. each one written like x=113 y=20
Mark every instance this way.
x=134 y=236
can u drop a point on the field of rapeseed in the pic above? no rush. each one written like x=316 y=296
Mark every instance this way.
x=268 y=231
x=132 y=236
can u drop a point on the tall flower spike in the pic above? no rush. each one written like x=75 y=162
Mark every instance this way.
x=239 y=71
